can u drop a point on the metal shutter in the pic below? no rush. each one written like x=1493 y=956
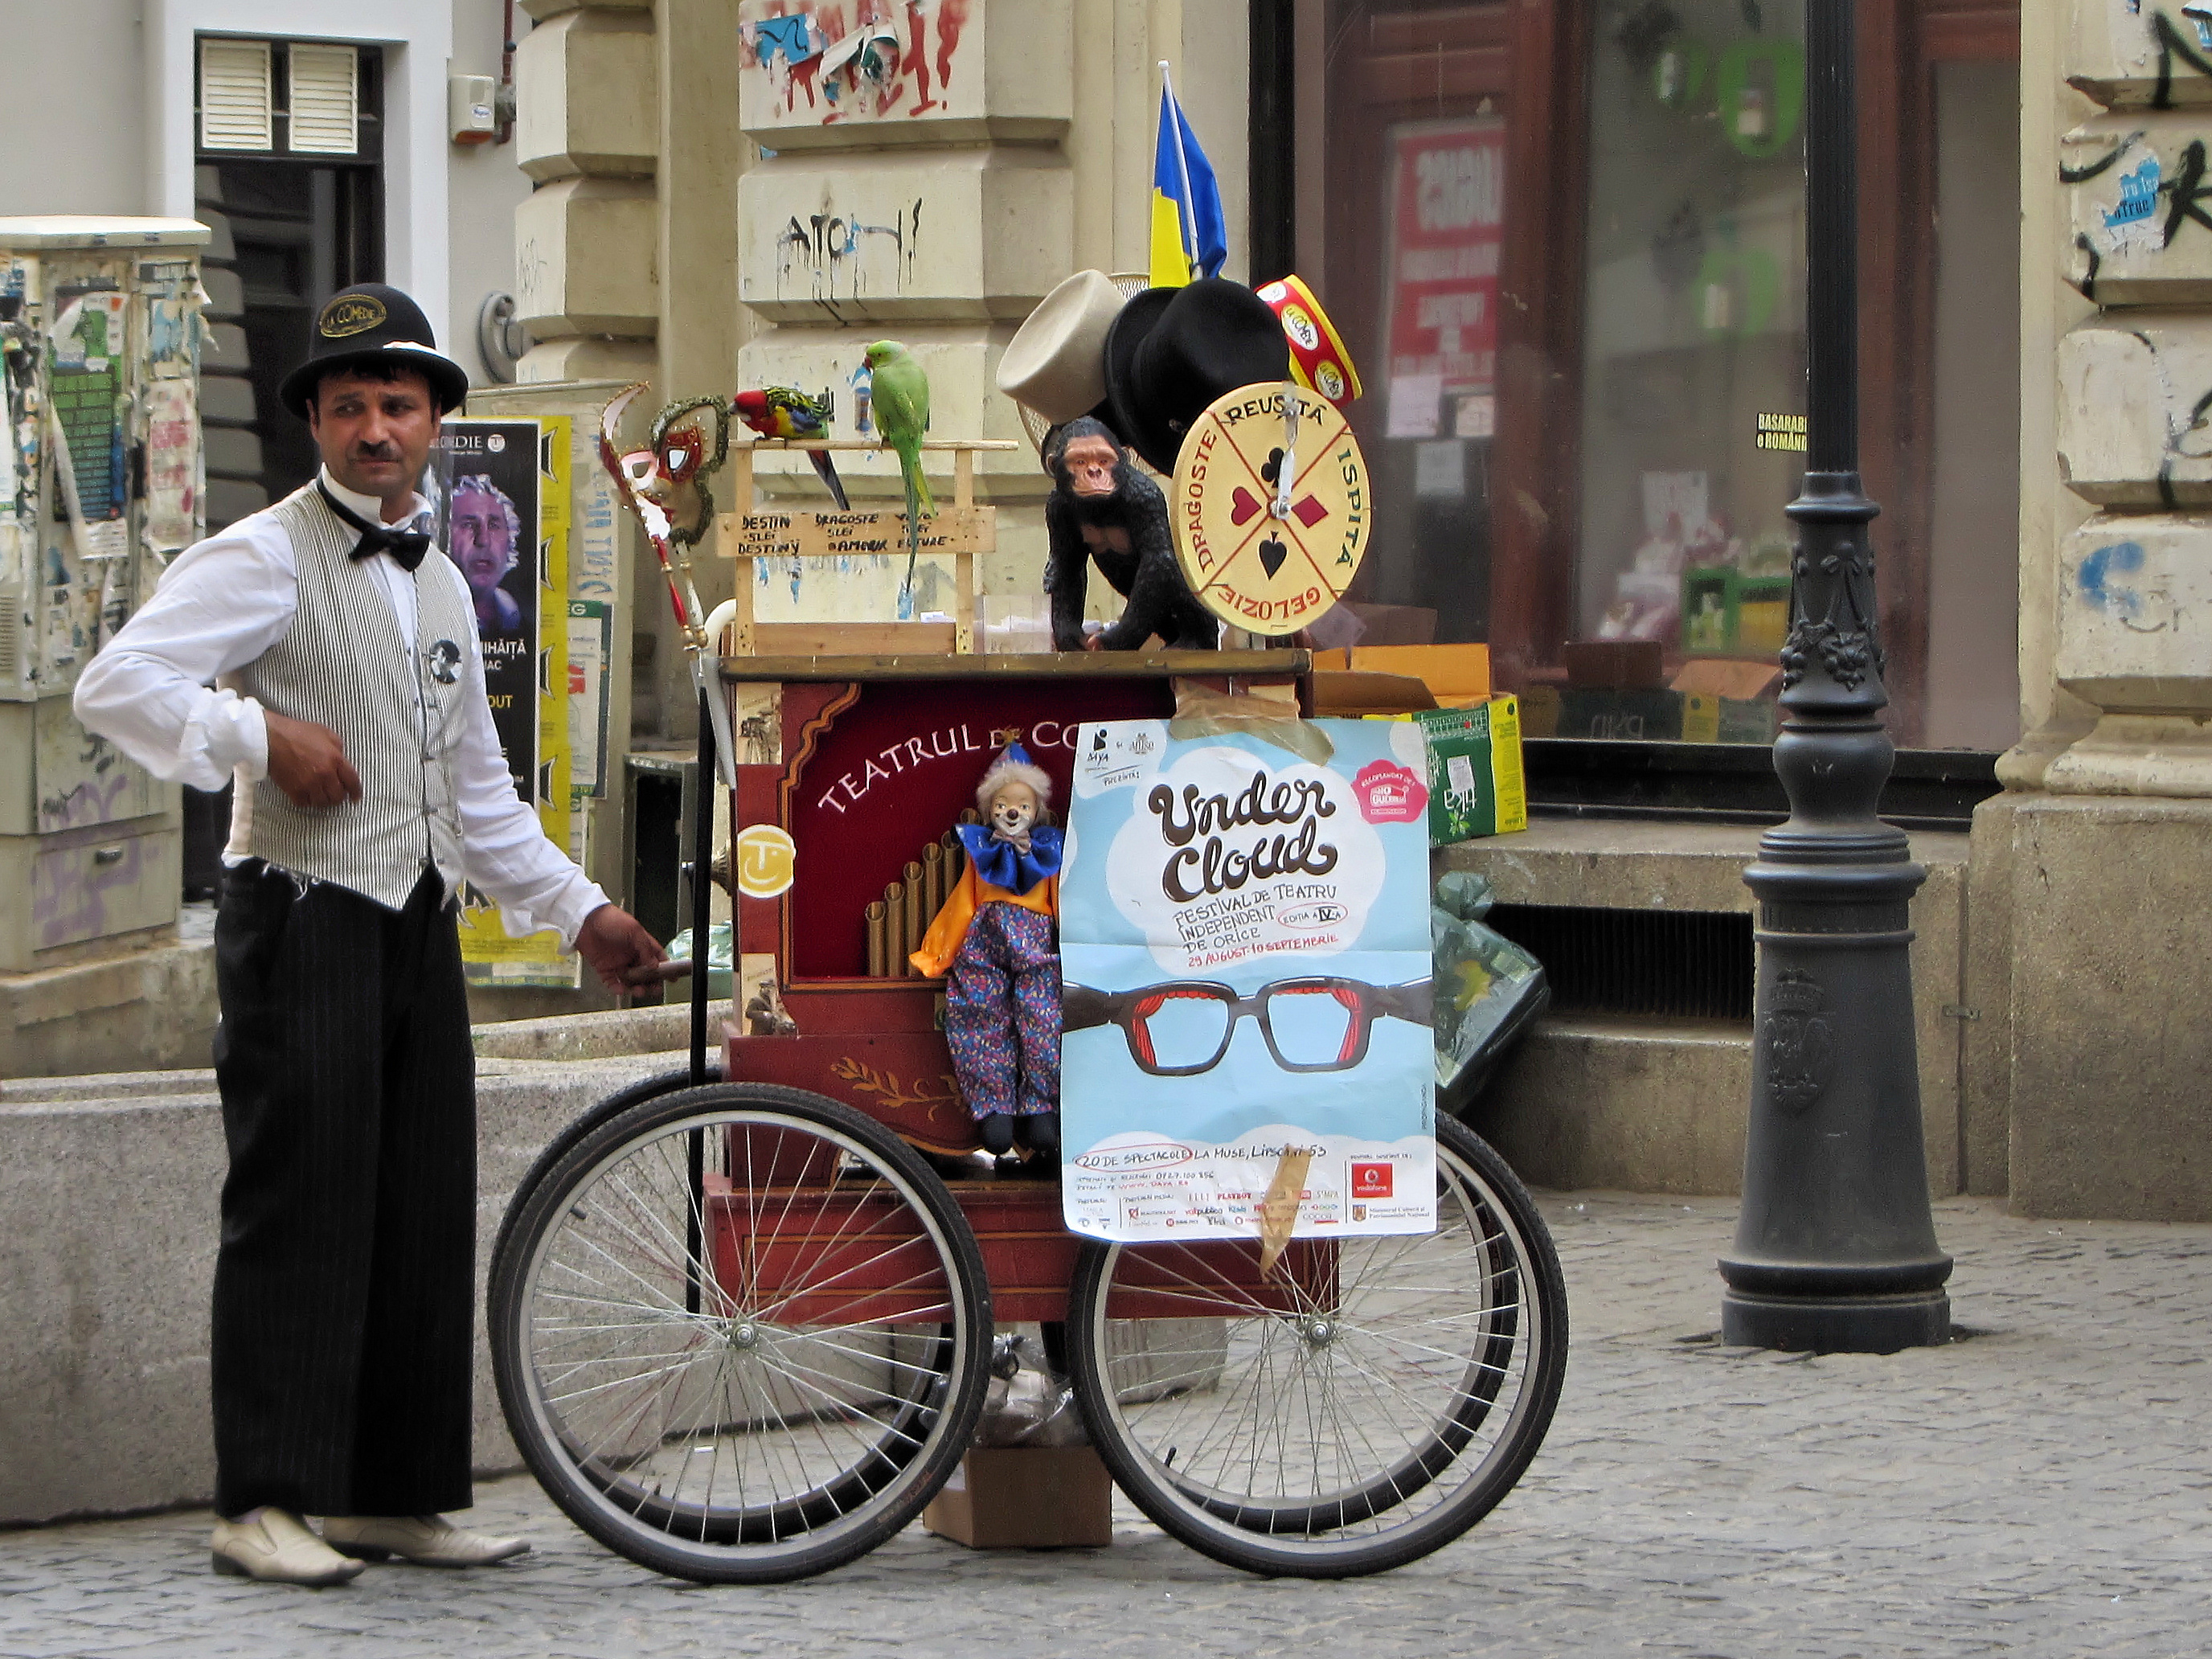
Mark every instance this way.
x=237 y=97
x=325 y=101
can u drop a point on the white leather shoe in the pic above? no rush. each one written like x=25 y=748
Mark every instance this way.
x=430 y=1540
x=277 y=1547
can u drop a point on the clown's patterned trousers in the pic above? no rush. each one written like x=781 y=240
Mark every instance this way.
x=1002 y=1012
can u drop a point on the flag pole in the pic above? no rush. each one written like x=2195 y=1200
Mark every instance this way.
x=1185 y=210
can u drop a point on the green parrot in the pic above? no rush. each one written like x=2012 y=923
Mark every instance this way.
x=899 y=394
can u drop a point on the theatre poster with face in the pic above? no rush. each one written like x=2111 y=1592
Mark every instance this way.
x=503 y=520
x=1244 y=953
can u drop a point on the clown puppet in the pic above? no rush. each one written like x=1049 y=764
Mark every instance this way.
x=995 y=943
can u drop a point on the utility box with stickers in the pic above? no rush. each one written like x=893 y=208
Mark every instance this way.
x=100 y=324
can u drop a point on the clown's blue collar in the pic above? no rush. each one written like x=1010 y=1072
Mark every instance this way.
x=1002 y=864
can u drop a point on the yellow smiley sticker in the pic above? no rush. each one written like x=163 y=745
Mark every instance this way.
x=1271 y=521
x=764 y=855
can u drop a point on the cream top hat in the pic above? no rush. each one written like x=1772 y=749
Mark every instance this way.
x=1055 y=364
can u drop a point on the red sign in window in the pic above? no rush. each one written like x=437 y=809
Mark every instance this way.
x=1370 y=1180
x=1448 y=228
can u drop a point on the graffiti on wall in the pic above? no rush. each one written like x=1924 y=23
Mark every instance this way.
x=843 y=60
x=841 y=256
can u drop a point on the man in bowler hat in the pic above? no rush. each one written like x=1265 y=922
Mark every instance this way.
x=312 y=652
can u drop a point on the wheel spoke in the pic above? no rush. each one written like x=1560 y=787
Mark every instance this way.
x=730 y=1442
x=1346 y=1420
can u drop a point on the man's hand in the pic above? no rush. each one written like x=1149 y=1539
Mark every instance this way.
x=621 y=952
x=308 y=762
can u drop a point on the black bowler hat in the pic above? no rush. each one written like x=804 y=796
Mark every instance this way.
x=371 y=321
x=1171 y=351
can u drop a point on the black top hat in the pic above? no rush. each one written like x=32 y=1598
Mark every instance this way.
x=1173 y=350
x=370 y=320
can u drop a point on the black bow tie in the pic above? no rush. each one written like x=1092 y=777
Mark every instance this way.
x=406 y=547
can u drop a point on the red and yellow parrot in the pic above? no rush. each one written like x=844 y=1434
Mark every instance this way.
x=782 y=411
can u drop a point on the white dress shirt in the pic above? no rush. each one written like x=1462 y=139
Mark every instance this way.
x=227 y=599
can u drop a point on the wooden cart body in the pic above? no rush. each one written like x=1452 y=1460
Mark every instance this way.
x=880 y=757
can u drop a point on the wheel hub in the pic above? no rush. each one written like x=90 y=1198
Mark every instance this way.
x=744 y=1333
x=1318 y=1332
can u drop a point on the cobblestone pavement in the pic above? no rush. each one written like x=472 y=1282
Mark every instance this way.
x=2040 y=1488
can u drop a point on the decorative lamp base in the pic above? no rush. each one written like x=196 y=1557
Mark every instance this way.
x=1829 y=1324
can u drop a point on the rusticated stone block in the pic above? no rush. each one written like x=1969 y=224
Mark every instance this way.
x=2139 y=197
x=2134 y=410
x=584 y=259
x=2140 y=54
x=584 y=89
x=2134 y=613
x=932 y=233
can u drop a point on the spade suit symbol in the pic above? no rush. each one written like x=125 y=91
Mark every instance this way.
x=1272 y=554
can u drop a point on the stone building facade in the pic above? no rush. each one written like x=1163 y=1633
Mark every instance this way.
x=705 y=218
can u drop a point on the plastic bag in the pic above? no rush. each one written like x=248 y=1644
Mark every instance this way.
x=721 y=949
x=1027 y=1403
x=1488 y=990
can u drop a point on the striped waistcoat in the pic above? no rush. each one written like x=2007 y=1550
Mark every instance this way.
x=343 y=665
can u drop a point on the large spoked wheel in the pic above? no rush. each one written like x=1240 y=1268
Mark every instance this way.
x=741 y=1332
x=1361 y=1406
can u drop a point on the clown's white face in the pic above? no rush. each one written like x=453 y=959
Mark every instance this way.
x=1013 y=809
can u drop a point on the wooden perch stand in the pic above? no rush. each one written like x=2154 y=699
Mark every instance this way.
x=749 y=532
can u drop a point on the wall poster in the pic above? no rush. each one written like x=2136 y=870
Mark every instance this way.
x=503 y=520
x=1245 y=959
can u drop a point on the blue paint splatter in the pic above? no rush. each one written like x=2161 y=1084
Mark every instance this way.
x=2118 y=555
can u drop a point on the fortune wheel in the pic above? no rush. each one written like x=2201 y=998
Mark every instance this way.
x=1270 y=508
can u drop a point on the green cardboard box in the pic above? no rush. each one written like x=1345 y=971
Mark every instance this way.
x=1475 y=782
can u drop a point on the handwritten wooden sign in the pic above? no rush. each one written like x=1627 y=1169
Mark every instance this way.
x=784 y=534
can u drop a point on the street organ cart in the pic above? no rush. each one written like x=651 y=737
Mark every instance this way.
x=742 y=1321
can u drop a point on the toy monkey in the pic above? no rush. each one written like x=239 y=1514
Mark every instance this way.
x=993 y=941
x=1103 y=507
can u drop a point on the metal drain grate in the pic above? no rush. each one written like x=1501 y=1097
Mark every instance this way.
x=1677 y=964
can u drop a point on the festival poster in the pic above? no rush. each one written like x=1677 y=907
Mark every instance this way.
x=1245 y=965
x=503 y=520
x=1448 y=216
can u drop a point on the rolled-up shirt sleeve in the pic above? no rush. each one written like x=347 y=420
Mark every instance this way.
x=150 y=690
x=505 y=850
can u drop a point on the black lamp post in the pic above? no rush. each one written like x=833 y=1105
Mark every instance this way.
x=1835 y=1250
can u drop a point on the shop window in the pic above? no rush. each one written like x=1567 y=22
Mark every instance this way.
x=1566 y=245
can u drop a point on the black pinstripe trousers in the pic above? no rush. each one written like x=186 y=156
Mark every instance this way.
x=344 y=1302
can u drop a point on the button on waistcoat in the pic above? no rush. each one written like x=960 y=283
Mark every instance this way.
x=344 y=665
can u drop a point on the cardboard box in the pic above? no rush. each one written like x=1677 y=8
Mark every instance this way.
x=1727 y=702
x=1457 y=675
x=1724 y=610
x=1476 y=787
x=1639 y=665
x=1351 y=695
x=1025 y=1498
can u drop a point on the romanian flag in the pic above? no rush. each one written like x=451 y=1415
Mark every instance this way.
x=1189 y=236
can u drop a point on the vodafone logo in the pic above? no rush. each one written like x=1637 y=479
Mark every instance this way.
x=1371 y=1180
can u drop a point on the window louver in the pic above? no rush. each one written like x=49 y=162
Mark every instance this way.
x=237 y=96
x=325 y=101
